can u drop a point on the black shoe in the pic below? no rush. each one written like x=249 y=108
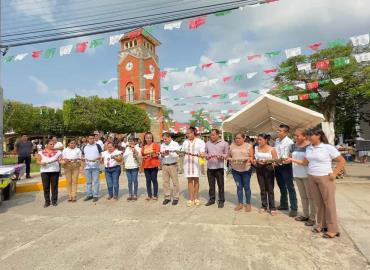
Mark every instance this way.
x=55 y=204
x=166 y=201
x=28 y=177
x=221 y=205
x=293 y=213
x=47 y=204
x=280 y=208
x=88 y=198
x=175 y=202
x=209 y=203
x=95 y=199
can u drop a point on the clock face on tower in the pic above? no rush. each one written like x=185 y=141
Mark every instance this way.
x=151 y=69
x=129 y=66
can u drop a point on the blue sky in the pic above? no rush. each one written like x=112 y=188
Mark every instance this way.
x=278 y=26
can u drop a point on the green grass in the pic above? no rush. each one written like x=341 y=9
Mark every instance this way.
x=13 y=160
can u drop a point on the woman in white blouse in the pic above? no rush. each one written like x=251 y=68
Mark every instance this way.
x=49 y=159
x=321 y=176
x=112 y=159
x=132 y=156
x=72 y=161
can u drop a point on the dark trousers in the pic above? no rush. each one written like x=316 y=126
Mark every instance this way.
x=265 y=176
x=151 y=177
x=50 y=180
x=27 y=160
x=216 y=175
x=284 y=179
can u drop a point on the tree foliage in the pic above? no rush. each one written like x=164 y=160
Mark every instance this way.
x=84 y=114
x=198 y=120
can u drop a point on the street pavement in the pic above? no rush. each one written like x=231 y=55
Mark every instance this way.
x=148 y=235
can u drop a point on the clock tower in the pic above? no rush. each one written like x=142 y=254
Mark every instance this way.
x=138 y=76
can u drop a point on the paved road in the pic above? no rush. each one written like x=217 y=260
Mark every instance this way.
x=142 y=235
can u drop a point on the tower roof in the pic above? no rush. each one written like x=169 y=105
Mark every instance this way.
x=140 y=32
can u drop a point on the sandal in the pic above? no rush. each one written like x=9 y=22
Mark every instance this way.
x=155 y=198
x=309 y=222
x=317 y=230
x=331 y=236
x=197 y=202
x=262 y=210
x=301 y=218
x=190 y=203
x=148 y=198
x=134 y=198
x=273 y=212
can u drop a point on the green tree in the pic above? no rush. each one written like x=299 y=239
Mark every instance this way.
x=340 y=103
x=19 y=117
x=198 y=120
x=84 y=114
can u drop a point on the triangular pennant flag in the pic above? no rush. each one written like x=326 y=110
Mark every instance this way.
x=243 y=102
x=324 y=82
x=172 y=25
x=251 y=75
x=304 y=97
x=232 y=95
x=272 y=54
x=36 y=54
x=81 y=47
x=49 y=53
x=148 y=29
x=233 y=61
x=115 y=39
x=189 y=84
x=284 y=69
x=256 y=91
x=304 y=67
x=324 y=94
x=301 y=85
x=177 y=86
x=226 y=79
x=64 y=50
x=337 y=43
x=223 y=96
x=222 y=62
x=195 y=23
x=212 y=82
x=293 y=98
x=362 y=57
x=96 y=43
x=204 y=66
x=149 y=76
x=243 y=94
x=314 y=95
x=253 y=57
x=8 y=59
x=190 y=69
x=171 y=69
x=235 y=102
x=163 y=73
x=293 y=52
x=288 y=87
x=238 y=77
x=215 y=96
x=323 y=64
x=108 y=81
x=271 y=70
x=223 y=13
x=360 y=40
x=312 y=85
x=315 y=46
x=20 y=57
x=337 y=81
x=341 y=61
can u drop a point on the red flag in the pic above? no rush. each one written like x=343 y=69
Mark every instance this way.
x=207 y=65
x=196 y=22
x=304 y=97
x=163 y=74
x=243 y=94
x=243 y=102
x=252 y=57
x=215 y=96
x=271 y=70
x=315 y=46
x=226 y=79
x=312 y=85
x=324 y=64
x=81 y=47
x=189 y=84
x=271 y=1
x=36 y=54
x=230 y=111
x=134 y=34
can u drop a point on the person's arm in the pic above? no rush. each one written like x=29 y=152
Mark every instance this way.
x=226 y=151
x=118 y=158
x=303 y=162
x=251 y=154
x=338 y=168
x=38 y=160
x=274 y=153
x=16 y=148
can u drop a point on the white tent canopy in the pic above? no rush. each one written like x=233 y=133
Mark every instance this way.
x=267 y=112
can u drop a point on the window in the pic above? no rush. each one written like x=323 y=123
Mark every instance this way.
x=135 y=42
x=126 y=45
x=152 y=93
x=131 y=44
x=130 y=92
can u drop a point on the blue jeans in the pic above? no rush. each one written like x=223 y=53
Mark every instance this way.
x=284 y=179
x=92 y=182
x=112 y=177
x=151 y=177
x=132 y=180
x=242 y=180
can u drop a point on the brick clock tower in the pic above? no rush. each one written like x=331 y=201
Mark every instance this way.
x=138 y=76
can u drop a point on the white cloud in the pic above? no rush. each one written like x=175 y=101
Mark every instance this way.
x=41 y=87
x=43 y=9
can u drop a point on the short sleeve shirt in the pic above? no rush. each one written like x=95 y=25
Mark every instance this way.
x=24 y=148
x=299 y=153
x=108 y=159
x=320 y=159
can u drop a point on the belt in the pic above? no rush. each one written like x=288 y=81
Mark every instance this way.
x=170 y=164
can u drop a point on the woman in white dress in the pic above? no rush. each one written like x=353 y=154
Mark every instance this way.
x=192 y=169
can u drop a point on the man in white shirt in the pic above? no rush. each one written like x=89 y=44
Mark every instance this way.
x=91 y=153
x=284 y=172
x=169 y=169
x=57 y=145
x=98 y=140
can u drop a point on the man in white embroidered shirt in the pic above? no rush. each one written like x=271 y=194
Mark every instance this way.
x=284 y=172
x=169 y=169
